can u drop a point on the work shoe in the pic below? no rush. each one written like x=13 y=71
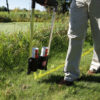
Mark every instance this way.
x=64 y=82
x=68 y=83
x=91 y=72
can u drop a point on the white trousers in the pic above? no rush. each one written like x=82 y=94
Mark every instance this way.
x=80 y=12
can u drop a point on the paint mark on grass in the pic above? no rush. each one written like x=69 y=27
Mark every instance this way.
x=40 y=75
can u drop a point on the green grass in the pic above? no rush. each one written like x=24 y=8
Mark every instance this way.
x=24 y=16
x=16 y=16
x=16 y=27
x=16 y=85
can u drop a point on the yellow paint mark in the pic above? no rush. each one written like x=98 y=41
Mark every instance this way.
x=57 y=68
x=35 y=75
x=40 y=73
x=87 y=52
x=53 y=70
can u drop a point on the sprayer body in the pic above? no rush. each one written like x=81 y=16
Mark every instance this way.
x=53 y=3
x=37 y=63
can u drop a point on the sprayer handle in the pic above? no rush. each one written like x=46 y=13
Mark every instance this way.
x=33 y=4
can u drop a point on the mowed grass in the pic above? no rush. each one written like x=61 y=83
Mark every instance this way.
x=19 y=27
x=16 y=27
x=15 y=84
x=19 y=86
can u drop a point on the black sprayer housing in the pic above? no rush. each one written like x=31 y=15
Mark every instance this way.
x=33 y=64
x=52 y=3
x=37 y=63
x=43 y=63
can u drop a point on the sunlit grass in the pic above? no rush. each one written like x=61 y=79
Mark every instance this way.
x=15 y=84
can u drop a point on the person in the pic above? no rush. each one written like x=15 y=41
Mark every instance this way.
x=80 y=12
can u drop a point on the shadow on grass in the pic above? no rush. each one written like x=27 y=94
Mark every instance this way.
x=57 y=78
x=53 y=79
x=91 y=78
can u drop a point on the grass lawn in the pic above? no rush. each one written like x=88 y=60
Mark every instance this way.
x=19 y=27
x=14 y=27
x=16 y=85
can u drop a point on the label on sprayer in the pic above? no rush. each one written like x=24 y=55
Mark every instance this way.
x=44 y=51
x=35 y=52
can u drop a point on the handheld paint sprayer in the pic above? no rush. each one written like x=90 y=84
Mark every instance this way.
x=35 y=60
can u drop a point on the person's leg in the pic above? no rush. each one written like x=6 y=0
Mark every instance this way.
x=94 y=9
x=95 y=64
x=76 y=34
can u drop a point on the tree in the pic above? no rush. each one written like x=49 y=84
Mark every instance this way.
x=61 y=4
x=62 y=7
x=3 y=8
x=24 y=9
